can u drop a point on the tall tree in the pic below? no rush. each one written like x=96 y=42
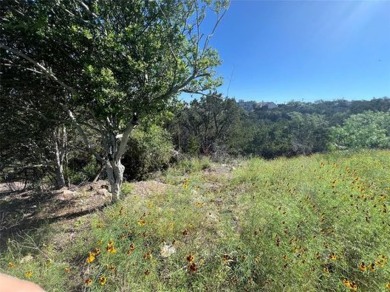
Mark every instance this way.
x=207 y=124
x=116 y=61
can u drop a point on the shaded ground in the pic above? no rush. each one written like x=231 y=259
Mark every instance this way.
x=23 y=210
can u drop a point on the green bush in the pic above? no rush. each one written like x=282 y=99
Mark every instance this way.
x=82 y=169
x=149 y=150
x=366 y=130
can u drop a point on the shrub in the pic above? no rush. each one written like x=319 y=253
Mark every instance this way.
x=149 y=150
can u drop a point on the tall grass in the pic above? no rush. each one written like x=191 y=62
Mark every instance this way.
x=317 y=223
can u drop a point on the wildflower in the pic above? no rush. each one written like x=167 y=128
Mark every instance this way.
x=100 y=225
x=28 y=274
x=354 y=286
x=362 y=267
x=185 y=184
x=102 y=280
x=192 y=267
x=11 y=265
x=388 y=286
x=88 y=281
x=112 y=268
x=190 y=258
x=381 y=261
x=333 y=256
x=67 y=269
x=91 y=258
x=131 y=249
x=110 y=247
x=226 y=258
x=96 y=251
x=350 y=284
x=371 y=267
x=326 y=270
x=148 y=256
x=141 y=222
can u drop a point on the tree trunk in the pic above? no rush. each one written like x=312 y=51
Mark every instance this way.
x=115 y=171
x=60 y=142
x=115 y=146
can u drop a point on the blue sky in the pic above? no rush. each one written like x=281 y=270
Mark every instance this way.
x=305 y=50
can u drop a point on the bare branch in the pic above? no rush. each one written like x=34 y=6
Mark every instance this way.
x=125 y=138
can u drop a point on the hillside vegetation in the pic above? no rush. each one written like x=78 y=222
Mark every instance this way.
x=318 y=223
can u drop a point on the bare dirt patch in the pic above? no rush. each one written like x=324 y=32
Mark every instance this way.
x=27 y=209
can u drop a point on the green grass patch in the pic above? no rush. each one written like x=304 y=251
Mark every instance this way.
x=318 y=223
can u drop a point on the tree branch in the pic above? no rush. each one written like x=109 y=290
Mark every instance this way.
x=44 y=70
x=125 y=138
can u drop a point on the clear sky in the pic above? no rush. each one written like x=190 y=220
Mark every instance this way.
x=305 y=50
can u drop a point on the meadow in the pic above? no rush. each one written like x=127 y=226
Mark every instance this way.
x=318 y=223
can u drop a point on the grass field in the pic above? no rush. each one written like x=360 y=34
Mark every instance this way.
x=318 y=223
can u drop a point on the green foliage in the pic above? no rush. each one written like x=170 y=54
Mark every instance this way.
x=80 y=171
x=107 y=60
x=364 y=130
x=151 y=150
x=316 y=223
x=208 y=125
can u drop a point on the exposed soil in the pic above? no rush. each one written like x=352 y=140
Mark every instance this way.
x=21 y=209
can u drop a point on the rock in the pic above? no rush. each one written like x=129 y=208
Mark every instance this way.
x=26 y=259
x=167 y=250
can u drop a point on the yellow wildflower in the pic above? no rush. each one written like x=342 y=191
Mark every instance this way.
x=90 y=258
x=28 y=274
x=11 y=265
x=110 y=247
x=333 y=256
x=350 y=284
x=141 y=222
x=102 y=280
x=362 y=267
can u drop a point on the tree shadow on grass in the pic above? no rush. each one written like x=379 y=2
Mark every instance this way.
x=26 y=211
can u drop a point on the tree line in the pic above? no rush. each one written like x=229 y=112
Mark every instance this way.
x=223 y=126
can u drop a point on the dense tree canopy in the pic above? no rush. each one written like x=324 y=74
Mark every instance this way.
x=111 y=60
